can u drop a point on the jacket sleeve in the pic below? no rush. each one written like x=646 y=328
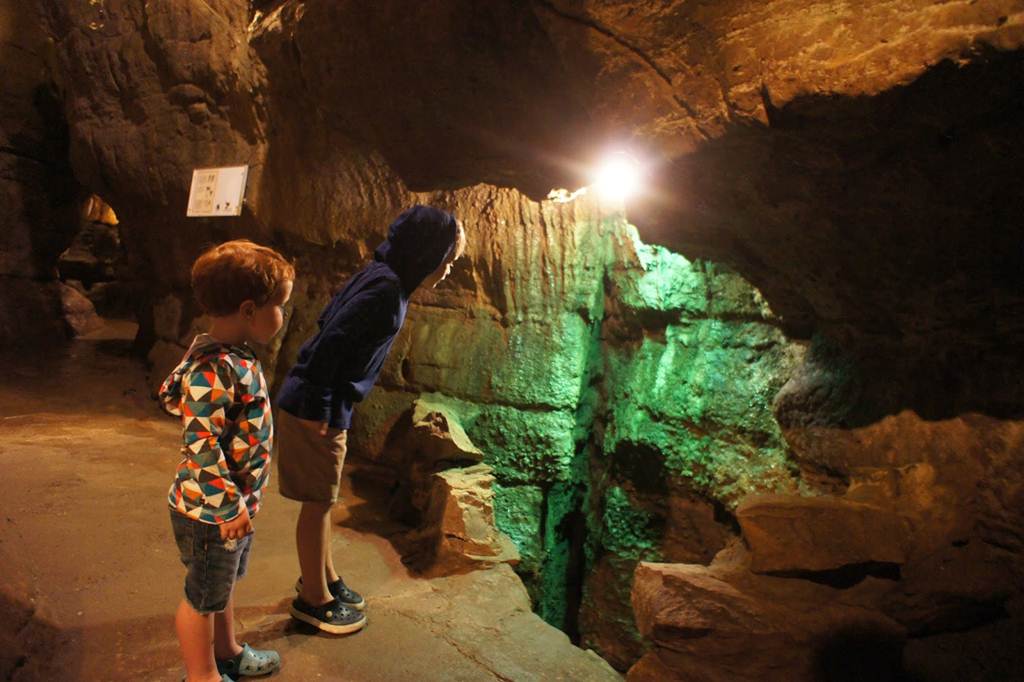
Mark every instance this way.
x=348 y=341
x=169 y=402
x=209 y=392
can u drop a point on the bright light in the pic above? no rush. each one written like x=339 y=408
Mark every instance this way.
x=618 y=177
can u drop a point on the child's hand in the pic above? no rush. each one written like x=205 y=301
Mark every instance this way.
x=323 y=428
x=238 y=527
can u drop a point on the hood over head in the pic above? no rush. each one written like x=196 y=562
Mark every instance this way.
x=418 y=242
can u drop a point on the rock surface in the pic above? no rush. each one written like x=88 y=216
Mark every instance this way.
x=713 y=623
x=37 y=189
x=457 y=532
x=792 y=533
x=426 y=441
x=79 y=312
x=857 y=163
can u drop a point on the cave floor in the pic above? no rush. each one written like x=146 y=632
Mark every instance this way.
x=91 y=575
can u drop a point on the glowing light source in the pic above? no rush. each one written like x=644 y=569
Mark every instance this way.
x=618 y=177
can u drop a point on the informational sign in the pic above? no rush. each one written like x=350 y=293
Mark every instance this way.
x=217 y=191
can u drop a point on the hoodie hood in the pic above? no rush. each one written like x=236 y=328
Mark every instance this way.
x=202 y=346
x=418 y=242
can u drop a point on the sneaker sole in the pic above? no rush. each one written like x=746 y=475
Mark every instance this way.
x=327 y=627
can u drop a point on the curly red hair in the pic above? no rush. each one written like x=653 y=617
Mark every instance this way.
x=227 y=275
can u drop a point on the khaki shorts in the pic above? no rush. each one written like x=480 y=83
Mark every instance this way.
x=308 y=464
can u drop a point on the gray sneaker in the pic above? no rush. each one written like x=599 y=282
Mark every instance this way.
x=333 y=617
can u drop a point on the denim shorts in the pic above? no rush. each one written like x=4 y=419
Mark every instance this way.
x=213 y=564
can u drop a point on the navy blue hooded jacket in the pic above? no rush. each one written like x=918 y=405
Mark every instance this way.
x=340 y=364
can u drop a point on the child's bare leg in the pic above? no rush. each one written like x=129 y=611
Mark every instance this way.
x=224 y=643
x=310 y=540
x=195 y=635
x=329 y=573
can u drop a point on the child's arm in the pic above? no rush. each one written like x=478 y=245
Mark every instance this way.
x=349 y=341
x=208 y=394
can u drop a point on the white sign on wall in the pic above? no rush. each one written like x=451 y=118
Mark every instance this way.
x=217 y=191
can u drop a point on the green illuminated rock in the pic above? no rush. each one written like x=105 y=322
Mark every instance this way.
x=628 y=532
x=658 y=280
x=702 y=396
x=541 y=361
x=525 y=446
x=602 y=379
x=518 y=511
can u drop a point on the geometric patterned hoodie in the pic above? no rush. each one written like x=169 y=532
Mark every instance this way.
x=219 y=392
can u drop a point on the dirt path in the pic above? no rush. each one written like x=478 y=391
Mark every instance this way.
x=91 y=575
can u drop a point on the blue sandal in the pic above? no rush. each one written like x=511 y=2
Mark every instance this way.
x=250 y=663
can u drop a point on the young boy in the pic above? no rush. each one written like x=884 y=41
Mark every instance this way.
x=336 y=368
x=220 y=394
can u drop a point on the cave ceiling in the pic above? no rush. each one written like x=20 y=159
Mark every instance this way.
x=859 y=162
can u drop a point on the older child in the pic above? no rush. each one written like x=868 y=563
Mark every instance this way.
x=336 y=368
x=220 y=394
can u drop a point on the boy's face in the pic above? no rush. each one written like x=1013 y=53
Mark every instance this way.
x=438 y=276
x=263 y=322
x=445 y=269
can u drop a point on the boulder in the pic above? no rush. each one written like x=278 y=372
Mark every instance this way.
x=427 y=440
x=719 y=623
x=956 y=588
x=78 y=311
x=438 y=436
x=789 y=533
x=458 y=532
x=93 y=254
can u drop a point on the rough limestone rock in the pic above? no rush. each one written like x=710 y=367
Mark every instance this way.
x=957 y=588
x=789 y=533
x=79 y=312
x=787 y=112
x=434 y=442
x=38 y=193
x=940 y=658
x=708 y=624
x=518 y=511
x=490 y=619
x=437 y=437
x=92 y=256
x=457 y=532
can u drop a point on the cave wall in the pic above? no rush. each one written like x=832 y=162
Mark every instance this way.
x=38 y=192
x=857 y=163
x=608 y=383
